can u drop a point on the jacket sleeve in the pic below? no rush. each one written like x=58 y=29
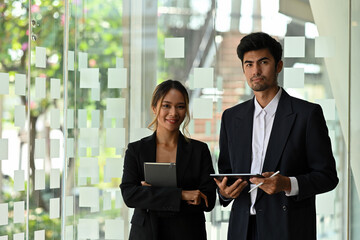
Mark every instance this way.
x=224 y=158
x=137 y=196
x=322 y=176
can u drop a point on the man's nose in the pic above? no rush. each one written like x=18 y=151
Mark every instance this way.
x=256 y=70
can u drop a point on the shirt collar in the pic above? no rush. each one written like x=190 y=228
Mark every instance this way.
x=270 y=109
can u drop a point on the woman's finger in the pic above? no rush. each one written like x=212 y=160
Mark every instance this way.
x=143 y=183
x=205 y=198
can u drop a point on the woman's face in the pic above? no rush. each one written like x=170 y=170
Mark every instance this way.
x=172 y=111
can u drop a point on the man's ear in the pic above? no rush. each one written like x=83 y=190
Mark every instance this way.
x=279 y=66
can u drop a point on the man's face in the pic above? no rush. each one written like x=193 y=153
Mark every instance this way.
x=260 y=70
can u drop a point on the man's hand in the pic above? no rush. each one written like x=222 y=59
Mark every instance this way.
x=232 y=191
x=272 y=185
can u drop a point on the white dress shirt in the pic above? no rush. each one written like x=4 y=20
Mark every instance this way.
x=262 y=125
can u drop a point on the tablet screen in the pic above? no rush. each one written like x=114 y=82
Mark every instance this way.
x=232 y=177
x=160 y=174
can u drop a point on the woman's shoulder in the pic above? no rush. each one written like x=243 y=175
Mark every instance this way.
x=196 y=143
x=138 y=143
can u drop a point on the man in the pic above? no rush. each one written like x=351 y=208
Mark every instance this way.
x=269 y=133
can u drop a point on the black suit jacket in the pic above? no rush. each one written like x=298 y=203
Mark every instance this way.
x=193 y=166
x=299 y=146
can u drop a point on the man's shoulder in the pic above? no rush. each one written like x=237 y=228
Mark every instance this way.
x=302 y=105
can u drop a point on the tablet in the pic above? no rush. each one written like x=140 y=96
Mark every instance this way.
x=160 y=174
x=232 y=177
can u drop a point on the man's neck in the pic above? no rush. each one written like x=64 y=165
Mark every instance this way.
x=265 y=97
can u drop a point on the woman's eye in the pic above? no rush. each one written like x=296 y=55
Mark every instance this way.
x=181 y=107
x=165 y=105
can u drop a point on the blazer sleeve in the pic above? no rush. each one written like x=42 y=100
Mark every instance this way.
x=137 y=196
x=322 y=176
x=224 y=158
x=224 y=165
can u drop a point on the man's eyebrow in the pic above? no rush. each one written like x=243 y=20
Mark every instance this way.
x=259 y=60
x=264 y=58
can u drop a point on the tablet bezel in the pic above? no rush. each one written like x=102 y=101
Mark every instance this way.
x=232 y=177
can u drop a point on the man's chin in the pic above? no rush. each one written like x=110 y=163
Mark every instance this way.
x=258 y=88
x=262 y=87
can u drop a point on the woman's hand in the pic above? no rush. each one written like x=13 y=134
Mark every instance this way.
x=145 y=184
x=193 y=197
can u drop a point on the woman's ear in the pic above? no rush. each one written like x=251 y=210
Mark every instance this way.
x=154 y=110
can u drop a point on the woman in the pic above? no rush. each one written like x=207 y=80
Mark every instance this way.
x=169 y=212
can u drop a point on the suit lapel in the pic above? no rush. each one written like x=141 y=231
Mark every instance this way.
x=183 y=157
x=283 y=122
x=243 y=138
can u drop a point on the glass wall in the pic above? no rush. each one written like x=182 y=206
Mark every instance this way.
x=354 y=171
x=76 y=78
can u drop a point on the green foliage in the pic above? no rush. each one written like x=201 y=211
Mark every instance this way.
x=13 y=27
x=95 y=28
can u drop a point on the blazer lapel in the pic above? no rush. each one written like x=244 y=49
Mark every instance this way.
x=183 y=154
x=283 y=122
x=148 y=149
x=243 y=137
x=183 y=157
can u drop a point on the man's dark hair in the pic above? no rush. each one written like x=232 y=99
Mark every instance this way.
x=257 y=41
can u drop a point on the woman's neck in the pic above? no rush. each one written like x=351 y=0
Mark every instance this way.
x=166 y=137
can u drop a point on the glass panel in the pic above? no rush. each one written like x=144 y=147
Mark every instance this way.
x=354 y=123
x=46 y=118
x=98 y=112
x=118 y=51
x=312 y=50
x=14 y=130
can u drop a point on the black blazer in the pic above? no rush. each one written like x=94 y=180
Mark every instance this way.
x=193 y=166
x=299 y=146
